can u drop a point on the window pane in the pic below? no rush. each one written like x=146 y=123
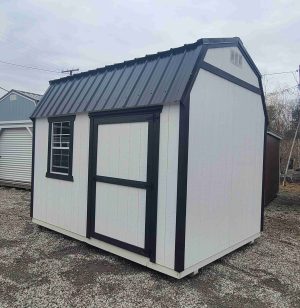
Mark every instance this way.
x=56 y=128
x=60 y=147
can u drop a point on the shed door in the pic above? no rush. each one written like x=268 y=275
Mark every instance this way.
x=15 y=155
x=125 y=181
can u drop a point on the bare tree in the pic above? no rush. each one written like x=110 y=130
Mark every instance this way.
x=283 y=114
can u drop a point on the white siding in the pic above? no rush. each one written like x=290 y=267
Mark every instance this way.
x=220 y=57
x=122 y=153
x=167 y=186
x=224 y=167
x=120 y=213
x=122 y=150
x=15 y=154
x=62 y=203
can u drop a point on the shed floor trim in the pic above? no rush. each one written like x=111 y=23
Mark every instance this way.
x=219 y=255
x=144 y=260
x=111 y=248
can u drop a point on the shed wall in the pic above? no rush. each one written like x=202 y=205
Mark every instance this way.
x=221 y=58
x=64 y=204
x=19 y=109
x=225 y=162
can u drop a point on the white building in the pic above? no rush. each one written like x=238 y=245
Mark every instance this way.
x=16 y=137
x=158 y=159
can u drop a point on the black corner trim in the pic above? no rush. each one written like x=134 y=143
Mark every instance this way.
x=122 y=182
x=183 y=166
x=32 y=168
x=91 y=174
x=49 y=174
x=182 y=187
x=216 y=71
x=263 y=201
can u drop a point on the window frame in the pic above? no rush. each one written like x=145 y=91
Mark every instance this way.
x=49 y=173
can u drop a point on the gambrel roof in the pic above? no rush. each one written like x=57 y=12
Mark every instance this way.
x=156 y=79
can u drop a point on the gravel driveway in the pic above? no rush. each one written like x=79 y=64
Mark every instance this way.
x=40 y=268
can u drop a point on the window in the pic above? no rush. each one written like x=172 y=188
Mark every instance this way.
x=60 y=148
x=236 y=58
x=13 y=97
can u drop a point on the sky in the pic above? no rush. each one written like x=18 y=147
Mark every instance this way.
x=56 y=35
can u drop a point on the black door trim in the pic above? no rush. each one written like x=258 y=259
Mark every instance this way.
x=122 y=182
x=152 y=116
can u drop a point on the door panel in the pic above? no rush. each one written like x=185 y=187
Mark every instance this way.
x=123 y=176
x=120 y=213
x=120 y=209
x=15 y=155
x=122 y=150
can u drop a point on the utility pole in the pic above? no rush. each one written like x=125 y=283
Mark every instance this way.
x=71 y=71
x=299 y=80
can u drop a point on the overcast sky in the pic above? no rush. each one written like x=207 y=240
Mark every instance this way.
x=63 y=34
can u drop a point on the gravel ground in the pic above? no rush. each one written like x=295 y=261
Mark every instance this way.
x=40 y=268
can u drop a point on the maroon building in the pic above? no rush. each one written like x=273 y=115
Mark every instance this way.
x=272 y=167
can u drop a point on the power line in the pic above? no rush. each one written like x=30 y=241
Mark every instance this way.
x=4 y=89
x=279 y=73
x=30 y=67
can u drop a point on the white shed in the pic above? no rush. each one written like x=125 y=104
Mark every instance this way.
x=16 y=137
x=159 y=159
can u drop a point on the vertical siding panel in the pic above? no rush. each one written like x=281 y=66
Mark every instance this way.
x=167 y=186
x=58 y=202
x=124 y=150
x=141 y=217
x=120 y=213
x=122 y=153
x=162 y=185
x=143 y=152
x=224 y=179
x=172 y=185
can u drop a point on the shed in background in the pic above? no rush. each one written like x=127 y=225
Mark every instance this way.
x=16 y=137
x=272 y=172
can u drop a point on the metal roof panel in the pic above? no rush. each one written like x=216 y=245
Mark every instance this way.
x=167 y=78
x=131 y=85
x=156 y=79
x=123 y=81
x=98 y=89
x=141 y=84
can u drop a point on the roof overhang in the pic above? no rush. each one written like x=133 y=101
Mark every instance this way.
x=20 y=94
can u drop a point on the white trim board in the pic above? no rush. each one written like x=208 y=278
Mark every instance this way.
x=17 y=125
x=144 y=260
x=16 y=122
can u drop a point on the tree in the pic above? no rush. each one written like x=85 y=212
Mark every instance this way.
x=283 y=112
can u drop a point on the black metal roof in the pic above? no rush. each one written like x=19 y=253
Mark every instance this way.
x=156 y=79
